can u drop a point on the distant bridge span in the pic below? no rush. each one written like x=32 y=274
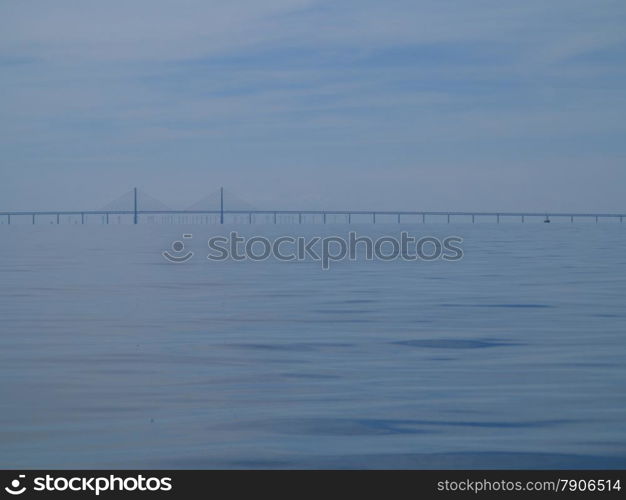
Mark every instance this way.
x=372 y=214
x=221 y=212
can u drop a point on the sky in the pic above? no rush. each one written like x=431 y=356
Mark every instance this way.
x=353 y=104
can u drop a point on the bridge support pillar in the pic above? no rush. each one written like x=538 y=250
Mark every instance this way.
x=135 y=206
x=221 y=205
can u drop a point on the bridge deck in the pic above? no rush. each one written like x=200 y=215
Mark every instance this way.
x=372 y=213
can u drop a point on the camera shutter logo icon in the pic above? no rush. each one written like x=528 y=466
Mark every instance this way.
x=15 y=489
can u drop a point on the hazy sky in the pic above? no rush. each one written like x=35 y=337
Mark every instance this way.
x=408 y=104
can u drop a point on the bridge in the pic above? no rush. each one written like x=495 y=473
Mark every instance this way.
x=220 y=213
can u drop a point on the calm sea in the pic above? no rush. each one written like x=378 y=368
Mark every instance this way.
x=513 y=357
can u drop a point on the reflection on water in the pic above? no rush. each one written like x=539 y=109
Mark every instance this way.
x=513 y=357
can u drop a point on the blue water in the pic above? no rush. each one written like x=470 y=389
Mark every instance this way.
x=513 y=357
